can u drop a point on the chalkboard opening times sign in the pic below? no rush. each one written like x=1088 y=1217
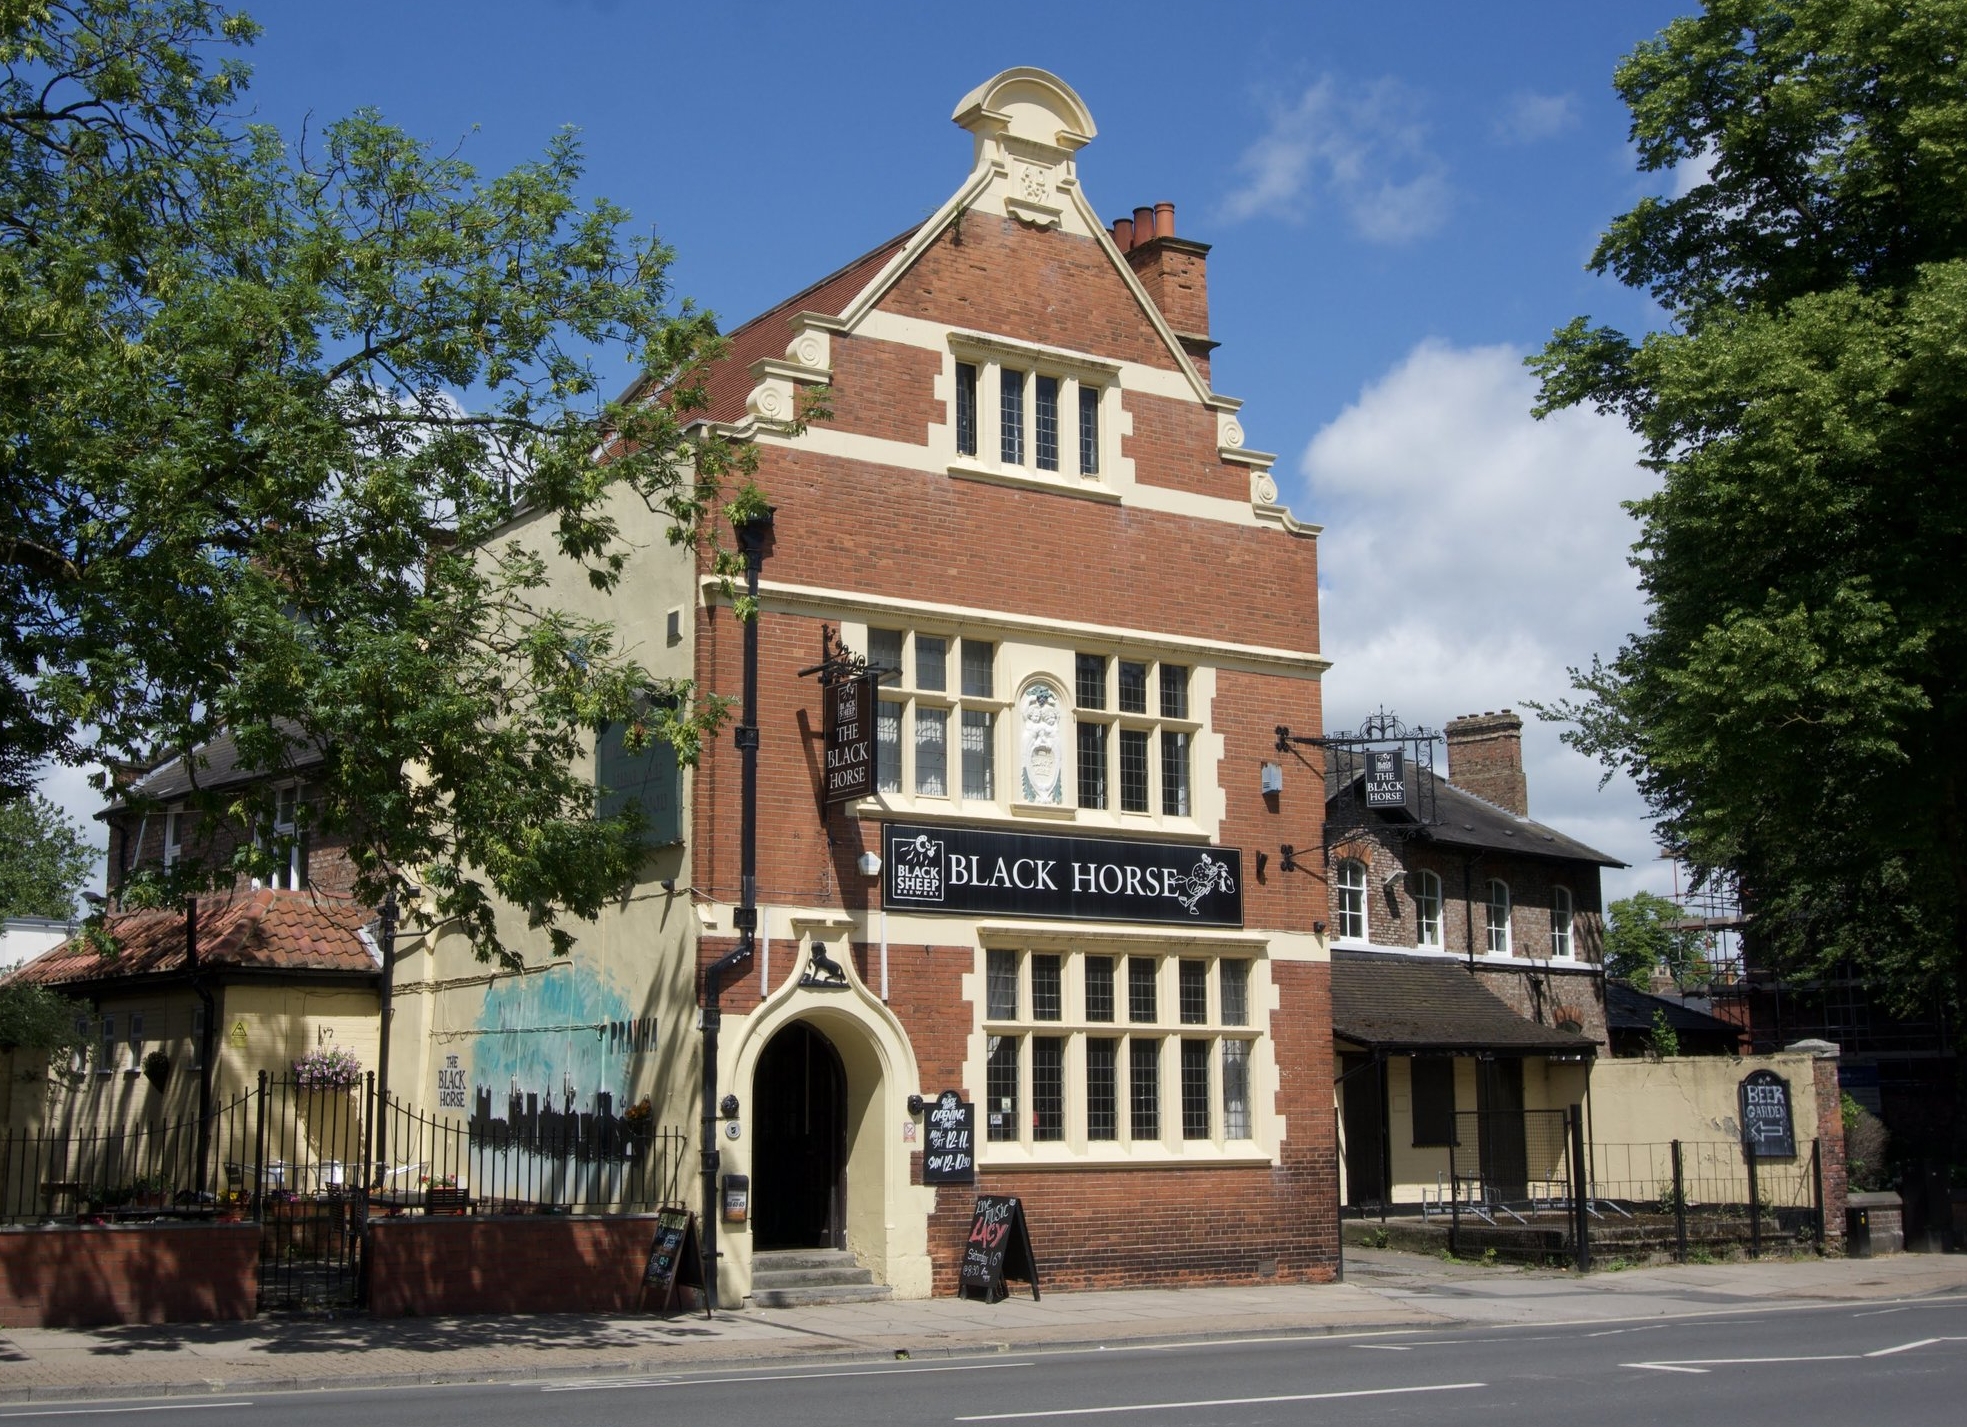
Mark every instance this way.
x=951 y=1155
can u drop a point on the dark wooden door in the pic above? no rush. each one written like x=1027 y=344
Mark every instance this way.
x=799 y=1157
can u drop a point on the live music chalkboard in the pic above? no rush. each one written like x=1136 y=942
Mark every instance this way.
x=951 y=1157
x=675 y=1260
x=999 y=1247
x=1767 y=1130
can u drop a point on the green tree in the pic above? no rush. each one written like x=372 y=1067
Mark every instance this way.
x=1642 y=935
x=37 y=1018
x=272 y=411
x=1794 y=708
x=44 y=859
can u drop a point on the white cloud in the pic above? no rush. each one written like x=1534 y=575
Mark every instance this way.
x=1471 y=554
x=1528 y=118
x=69 y=790
x=1363 y=150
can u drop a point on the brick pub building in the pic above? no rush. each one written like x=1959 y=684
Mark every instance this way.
x=1031 y=508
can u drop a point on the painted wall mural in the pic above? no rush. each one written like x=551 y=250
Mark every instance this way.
x=550 y=1057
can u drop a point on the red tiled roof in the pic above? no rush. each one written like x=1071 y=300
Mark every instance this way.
x=262 y=931
x=769 y=333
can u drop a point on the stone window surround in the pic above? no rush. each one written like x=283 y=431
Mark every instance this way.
x=1075 y=372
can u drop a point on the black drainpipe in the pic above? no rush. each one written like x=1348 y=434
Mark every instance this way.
x=752 y=535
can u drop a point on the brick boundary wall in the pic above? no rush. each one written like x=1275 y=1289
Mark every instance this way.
x=64 y=1276
x=425 y=1267
x=1830 y=1143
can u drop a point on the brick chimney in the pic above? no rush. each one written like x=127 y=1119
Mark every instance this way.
x=1175 y=273
x=1485 y=757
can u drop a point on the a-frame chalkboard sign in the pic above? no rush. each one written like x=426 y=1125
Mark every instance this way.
x=675 y=1260
x=999 y=1247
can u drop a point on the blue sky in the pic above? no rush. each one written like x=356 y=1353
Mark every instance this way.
x=1401 y=197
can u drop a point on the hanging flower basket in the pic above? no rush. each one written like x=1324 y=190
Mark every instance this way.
x=333 y=1069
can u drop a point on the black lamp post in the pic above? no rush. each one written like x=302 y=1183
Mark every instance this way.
x=752 y=534
x=386 y=1012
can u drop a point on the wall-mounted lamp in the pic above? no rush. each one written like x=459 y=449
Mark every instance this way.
x=1318 y=928
x=1273 y=779
x=915 y=1103
x=869 y=864
x=729 y=1105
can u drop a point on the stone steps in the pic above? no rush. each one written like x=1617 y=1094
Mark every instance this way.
x=800 y=1278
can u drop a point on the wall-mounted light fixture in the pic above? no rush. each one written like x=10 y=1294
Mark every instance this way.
x=869 y=864
x=1273 y=779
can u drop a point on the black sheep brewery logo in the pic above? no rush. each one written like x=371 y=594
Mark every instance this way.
x=920 y=869
x=979 y=870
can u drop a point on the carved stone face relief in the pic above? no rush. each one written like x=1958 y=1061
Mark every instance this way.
x=1039 y=764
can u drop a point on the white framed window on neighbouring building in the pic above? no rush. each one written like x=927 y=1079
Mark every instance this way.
x=1496 y=917
x=1427 y=910
x=1349 y=882
x=1560 y=923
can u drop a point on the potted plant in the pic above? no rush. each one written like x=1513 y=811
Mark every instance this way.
x=157 y=1068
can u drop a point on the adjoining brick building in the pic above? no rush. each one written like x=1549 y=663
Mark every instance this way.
x=1466 y=945
x=1029 y=505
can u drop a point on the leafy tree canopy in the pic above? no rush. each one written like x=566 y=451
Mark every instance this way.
x=294 y=431
x=44 y=859
x=1642 y=936
x=1794 y=708
x=37 y=1018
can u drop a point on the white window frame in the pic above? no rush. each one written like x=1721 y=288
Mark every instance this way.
x=173 y=835
x=134 y=1036
x=1075 y=374
x=1428 y=926
x=1563 y=912
x=1166 y=1031
x=1349 y=905
x=1498 y=933
x=291 y=877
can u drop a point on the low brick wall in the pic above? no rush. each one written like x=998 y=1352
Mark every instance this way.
x=424 y=1266
x=75 y=1277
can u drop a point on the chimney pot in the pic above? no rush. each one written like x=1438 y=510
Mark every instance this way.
x=1123 y=233
x=1143 y=225
x=1164 y=220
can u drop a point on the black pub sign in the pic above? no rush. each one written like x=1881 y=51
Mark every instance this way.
x=1386 y=778
x=1100 y=879
x=849 y=740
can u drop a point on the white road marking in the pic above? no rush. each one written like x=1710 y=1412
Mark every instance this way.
x=1703 y=1364
x=1382 y=1348
x=600 y=1385
x=106 y=1411
x=1881 y=1313
x=1614 y=1332
x=1220 y=1402
x=1908 y=1347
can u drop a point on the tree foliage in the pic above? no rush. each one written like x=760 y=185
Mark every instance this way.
x=277 y=414
x=36 y=1018
x=44 y=859
x=1642 y=936
x=1793 y=708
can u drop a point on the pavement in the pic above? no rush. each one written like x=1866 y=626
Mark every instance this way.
x=1384 y=1292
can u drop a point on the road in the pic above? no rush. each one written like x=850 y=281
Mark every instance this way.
x=1892 y=1364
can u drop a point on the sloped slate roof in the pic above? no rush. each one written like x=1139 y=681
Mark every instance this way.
x=1629 y=1009
x=258 y=931
x=218 y=764
x=1464 y=820
x=1409 y=1004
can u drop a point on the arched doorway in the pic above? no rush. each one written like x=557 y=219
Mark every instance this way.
x=799 y=1155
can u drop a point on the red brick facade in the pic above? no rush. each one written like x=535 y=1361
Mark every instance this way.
x=893 y=534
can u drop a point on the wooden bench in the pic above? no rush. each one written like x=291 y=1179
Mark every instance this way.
x=447 y=1200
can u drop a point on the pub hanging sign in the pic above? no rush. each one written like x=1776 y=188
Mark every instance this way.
x=1015 y=874
x=849 y=740
x=1386 y=778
